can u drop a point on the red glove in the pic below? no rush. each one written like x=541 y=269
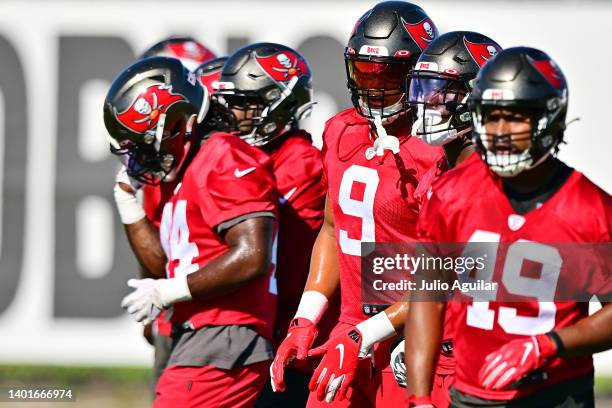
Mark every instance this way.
x=302 y=333
x=515 y=361
x=420 y=402
x=337 y=368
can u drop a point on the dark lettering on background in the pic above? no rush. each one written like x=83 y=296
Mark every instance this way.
x=82 y=59
x=325 y=55
x=13 y=162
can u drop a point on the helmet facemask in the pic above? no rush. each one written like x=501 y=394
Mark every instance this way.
x=377 y=85
x=439 y=109
x=510 y=153
x=258 y=117
x=160 y=155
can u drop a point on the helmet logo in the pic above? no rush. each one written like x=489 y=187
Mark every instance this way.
x=550 y=71
x=481 y=53
x=283 y=66
x=422 y=33
x=144 y=112
x=191 y=50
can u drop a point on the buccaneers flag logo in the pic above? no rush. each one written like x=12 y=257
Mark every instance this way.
x=144 y=112
x=283 y=66
x=192 y=50
x=422 y=32
x=549 y=70
x=481 y=53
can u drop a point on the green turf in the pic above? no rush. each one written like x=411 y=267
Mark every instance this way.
x=73 y=375
x=126 y=376
x=603 y=385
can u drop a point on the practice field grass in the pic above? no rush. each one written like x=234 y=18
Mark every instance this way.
x=127 y=387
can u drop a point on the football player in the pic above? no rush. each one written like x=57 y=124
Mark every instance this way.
x=191 y=52
x=215 y=240
x=268 y=88
x=371 y=166
x=154 y=198
x=439 y=86
x=525 y=353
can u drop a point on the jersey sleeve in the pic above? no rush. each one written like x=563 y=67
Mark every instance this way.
x=151 y=203
x=237 y=183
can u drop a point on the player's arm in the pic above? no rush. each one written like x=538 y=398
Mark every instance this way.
x=517 y=360
x=590 y=335
x=322 y=283
x=324 y=275
x=423 y=333
x=142 y=235
x=247 y=259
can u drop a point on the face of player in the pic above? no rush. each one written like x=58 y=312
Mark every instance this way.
x=246 y=110
x=384 y=82
x=507 y=130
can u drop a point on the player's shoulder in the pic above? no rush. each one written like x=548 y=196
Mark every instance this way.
x=297 y=145
x=461 y=181
x=297 y=159
x=586 y=202
x=336 y=125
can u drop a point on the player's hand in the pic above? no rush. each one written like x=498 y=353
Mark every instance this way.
x=302 y=333
x=516 y=360
x=397 y=363
x=144 y=303
x=130 y=210
x=420 y=402
x=127 y=183
x=336 y=371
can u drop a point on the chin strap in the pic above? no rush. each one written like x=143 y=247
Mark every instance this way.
x=384 y=141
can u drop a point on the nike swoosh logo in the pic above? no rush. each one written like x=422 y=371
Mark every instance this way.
x=528 y=348
x=240 y=173
x=286 y=197
x=340 y=347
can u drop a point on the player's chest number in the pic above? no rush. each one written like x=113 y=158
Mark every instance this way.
x=174 y=233
x=479 y=313
x=361 y=208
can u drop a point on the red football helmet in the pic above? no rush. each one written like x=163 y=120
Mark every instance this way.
x=188 y=50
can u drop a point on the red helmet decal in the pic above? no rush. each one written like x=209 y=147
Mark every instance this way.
x=550 y=71
x=144 y=112
x=481 y=53
x=422 y=32
x=208 y=78
x=191 y=50
x=283 y=66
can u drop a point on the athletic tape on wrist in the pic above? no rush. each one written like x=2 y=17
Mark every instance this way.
x=130 y=210
x=174 y=290
x=312 y=306
x=377 y=328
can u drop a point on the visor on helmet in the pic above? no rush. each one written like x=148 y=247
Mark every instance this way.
x=438 y=106
x=377 y=84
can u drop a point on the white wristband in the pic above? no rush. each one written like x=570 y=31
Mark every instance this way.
x=376 y=328
x=312 y=306
x=130 y=210
x=174 y=290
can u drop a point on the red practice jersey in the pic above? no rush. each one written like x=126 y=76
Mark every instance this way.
x=226 y=181
x=372 y=197
x=446 y=363
x=154 y=198
x=468 y=204
x=298 y=170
